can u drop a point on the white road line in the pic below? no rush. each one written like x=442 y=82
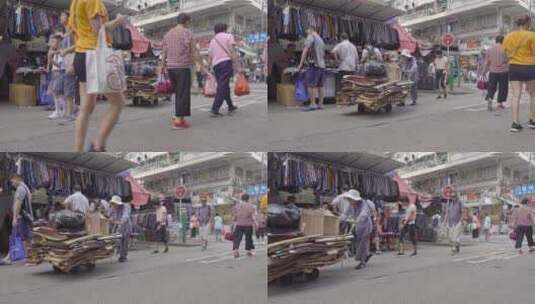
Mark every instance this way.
x=478 y=256
x=488 y=259
x=208 y=107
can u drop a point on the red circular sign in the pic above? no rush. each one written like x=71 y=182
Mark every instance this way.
x=448 y=39
x=180 y=191
x=448 y=192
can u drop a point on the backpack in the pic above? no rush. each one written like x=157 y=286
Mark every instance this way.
x=122 y=39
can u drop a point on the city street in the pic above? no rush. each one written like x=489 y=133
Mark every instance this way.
x=183 y=275
x=461 y=123
x=145 y=128
x=489 y=273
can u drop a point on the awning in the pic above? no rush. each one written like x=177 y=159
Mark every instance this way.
x=140 y=43
x=103 y=162
x=365 y=161
x=369 y=9
x=140 y=196
x=406 y=40
x=405 y=190
x=113 y=7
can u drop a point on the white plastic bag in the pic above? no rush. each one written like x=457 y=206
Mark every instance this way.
x=105 y=68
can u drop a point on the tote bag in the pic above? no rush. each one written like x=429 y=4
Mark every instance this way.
x=16 y=246
x=241 y=87
x=105 y=68
x=210 y=86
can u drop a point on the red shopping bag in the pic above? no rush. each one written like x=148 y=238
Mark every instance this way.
x=241 y=87
x=210 y=86
x=164 y=85
x=482 y=84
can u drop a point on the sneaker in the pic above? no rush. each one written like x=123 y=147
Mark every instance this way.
x=54 y=115
x=166 y=250
x=531 y=124
x=401 y=253
x=414 y=253
x=215 y=114
x=439 y=97
x=180 y=125
x=250 y=253
x=155 y=252
x=360 y=266
x=515 y=127
x=501 y=106
x=458 y=248
x=446 y=96
x=520 y=251
x=309 y=109
x=232 y=109
x=236 y=254
x=318 y=107
x=413 y=103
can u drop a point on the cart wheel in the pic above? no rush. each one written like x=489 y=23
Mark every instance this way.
x=361 y=108
x=313 y=275
x=56 y=269
x=287 y=279
x=388 y=108
x=136 y=101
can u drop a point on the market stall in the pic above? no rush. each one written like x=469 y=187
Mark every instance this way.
x=303 y=237
x=363 y=21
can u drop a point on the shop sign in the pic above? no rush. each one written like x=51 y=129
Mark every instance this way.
x=180 y=191
x=523 y=190
x=257 y=189
x=256 y=38
x=448 y=39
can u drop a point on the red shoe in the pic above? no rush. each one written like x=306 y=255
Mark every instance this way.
x=501 y=106
x=180 y=124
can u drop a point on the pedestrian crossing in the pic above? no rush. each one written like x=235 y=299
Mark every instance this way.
x=220 y=256
x=482 y=106
x=485 y=257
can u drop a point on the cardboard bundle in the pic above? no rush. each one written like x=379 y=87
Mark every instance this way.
x=305 y=253
x=67 y=250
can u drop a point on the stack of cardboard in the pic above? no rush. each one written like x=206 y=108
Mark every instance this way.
x=139 y=86
x=67 y=250
x=305 y=253
x=319 y=222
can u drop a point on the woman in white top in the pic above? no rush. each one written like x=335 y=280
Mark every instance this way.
x=441 y=64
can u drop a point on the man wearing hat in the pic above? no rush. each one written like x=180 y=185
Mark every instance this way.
x=120 y=217
x=359 y=215
x=410 y=71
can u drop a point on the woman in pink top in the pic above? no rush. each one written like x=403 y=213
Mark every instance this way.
x=222 y=54
x=523 y=224
x=179 y=53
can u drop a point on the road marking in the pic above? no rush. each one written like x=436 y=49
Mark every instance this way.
x=208 y=107
x=477 y=256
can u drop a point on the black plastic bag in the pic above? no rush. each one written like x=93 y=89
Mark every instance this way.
x=282 y=217
x=66 y=219
x=374 y=68
x=121 y=39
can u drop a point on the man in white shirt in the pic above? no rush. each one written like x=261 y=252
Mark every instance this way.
x=441 y=64
x=340 y=205
x=77 y=202
x=371 y=53
x=346 y=54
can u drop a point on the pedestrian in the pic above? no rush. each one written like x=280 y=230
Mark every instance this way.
x=68 y=78
x=54 y=61
x=476 y=225
x=347 y=56
x=86 y=18
x=487 y=227
x=260 y=228
x=519 y=46
x=374 y=235
x=522 y=222
x=441 y=65
x=218 y=227
x=194 y=225
x=22 y=212
x=340 y=204
x=223 y=56
x=371 y=53
x=409 y=227
x=314 y=53
x=453 y=219
x=359 y=215
x=179 y=54
x=205 y=218
x=120 y=217
x=244 y=220
x=161 y=226
x=200 y=78
x=498 y=68
x=77 y=202
x=410 y=70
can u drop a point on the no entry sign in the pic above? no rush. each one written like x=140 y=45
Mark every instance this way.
x=448 y=39
x=448 y=192
x=180 y=191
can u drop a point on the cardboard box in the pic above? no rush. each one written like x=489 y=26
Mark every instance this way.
x=96 y=223
x=286 y=95
x=22 y=95
x=319 y=221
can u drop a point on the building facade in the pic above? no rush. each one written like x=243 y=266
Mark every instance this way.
x=223 y=176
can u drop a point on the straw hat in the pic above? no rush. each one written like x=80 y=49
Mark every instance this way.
x=116 y=200
x=406 y=53
x=353 y=194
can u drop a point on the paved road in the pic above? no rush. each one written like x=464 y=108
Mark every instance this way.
x=483 y=273
x=184 y=275
x=145 y=128
x=459 y=124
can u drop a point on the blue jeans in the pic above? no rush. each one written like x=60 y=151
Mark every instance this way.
x=223 y=73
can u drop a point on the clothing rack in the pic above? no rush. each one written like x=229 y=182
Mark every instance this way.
x=331 y=12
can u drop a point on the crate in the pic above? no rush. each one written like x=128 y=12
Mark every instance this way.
x=319 y=221
x=286 y=95
x=22 y=94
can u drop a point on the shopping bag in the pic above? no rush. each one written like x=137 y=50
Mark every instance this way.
x=105 y=68
x=513 y=235
x=241 y=87
x=16 y=247
x=164 y=85
x=482 y=84
x=301 y=92
x=210 y=86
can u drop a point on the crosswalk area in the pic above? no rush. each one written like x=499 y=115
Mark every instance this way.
x=485 y=257
x=220 y=256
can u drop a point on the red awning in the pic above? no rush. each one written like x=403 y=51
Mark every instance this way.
x=406 y=191
x=406 y=41
x=140 y=196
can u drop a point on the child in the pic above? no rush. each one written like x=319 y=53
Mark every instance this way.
x=54 y=60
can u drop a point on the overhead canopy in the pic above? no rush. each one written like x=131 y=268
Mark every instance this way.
x=102 y=162
x=363 y=8
x=113 y=6
x=406 y=41
x=140 y=196
x=359 y=160
x=405 y=190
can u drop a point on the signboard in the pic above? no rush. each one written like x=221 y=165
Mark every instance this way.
x=256 y=38
x=257 y=189
x=448 y=40
x=448 y=192
x=523 y=190
x=180 y=191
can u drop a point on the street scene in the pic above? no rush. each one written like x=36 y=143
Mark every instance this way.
x=135 y=226
x=401 y=227
x=175 y=75
x=379 y=75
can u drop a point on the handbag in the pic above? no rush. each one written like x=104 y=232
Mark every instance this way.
x=164 y=85
x=210 y=86
x=513 y=235
x=16 y=246
x=374 y=68
x=482 y=83
x=241 y=87
x=121 y=39
x=105 y=68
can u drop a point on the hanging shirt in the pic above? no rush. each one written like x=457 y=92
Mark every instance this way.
x=348 y=55
x=81 y=14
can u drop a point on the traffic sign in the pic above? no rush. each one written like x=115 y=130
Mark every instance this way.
x=180 y=191
x=448 y=39
x=448 y=192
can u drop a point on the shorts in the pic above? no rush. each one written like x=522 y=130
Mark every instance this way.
x=56 y=83
x=519 y=72
x=315 y=77
x=79 y=67
x=204 y=231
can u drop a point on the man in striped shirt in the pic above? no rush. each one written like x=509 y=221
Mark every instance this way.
x=498 y=68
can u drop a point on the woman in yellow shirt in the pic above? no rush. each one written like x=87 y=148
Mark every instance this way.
x=86 y=19
x=519 y=46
